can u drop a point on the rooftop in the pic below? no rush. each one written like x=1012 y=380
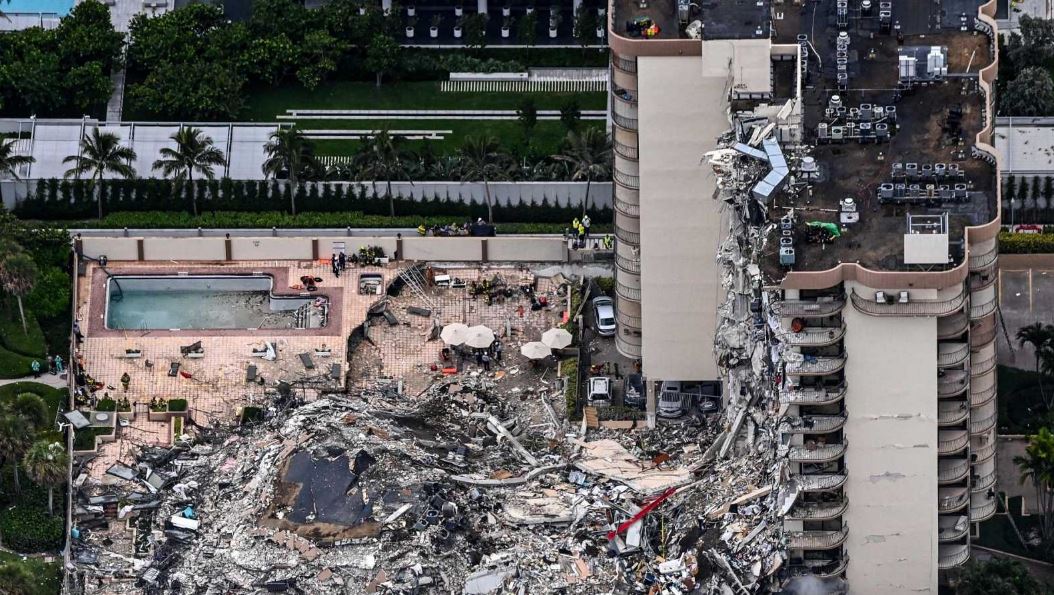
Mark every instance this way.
x=932 y=125
x=719 y=19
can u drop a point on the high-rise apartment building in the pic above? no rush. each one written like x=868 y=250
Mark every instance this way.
x=838 y=153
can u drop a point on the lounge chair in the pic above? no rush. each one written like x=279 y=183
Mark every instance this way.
x=250 y=374
x=334 y=371
x=173 y=369
x=306 y=359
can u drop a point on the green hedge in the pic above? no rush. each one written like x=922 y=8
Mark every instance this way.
x=15 y=365
x=569 y=370
x=66 y=199
x=27 y=527
x=177 y=405
x=1026 y=243
x=106 y=405
x=14 y=338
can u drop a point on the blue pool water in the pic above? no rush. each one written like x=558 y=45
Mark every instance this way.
x=59 y=7
x=196 y=302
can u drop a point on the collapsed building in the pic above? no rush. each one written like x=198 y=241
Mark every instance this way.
x=850 y=194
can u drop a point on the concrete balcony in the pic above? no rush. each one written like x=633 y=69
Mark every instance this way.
x=813 y=424
x=816 y=453
x=952 y=469
x=984 y=254
x=953 y=412
x=983 y=333
x=624 y=114
x=627 y=291
x=981 y=365
x=983 y=420
x=952 y=499
x=625 y=150
x=913 y=307
x=952 y=382
x=815 y=366
x=818 y=511
x=627 y=65
x=626 y=208
x=813 y=396
x=982 y=392
x=820 y=568
x=629 y=264
x=816 y=540
x=821 y=482
x=981 y=449
x=982 y=507
x=818 y=308
x=623 y=79
x=952 y=528
x=629 y=344
x=984 y=476
x=950 y=327
x=983 y=303
x=629 y=181
x=624 y=232
x=952 y=354
x=814 y=336
x=952 y=556
x=952 y=441
x=983 y=279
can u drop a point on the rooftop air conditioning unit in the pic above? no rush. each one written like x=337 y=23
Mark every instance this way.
x=787 y=256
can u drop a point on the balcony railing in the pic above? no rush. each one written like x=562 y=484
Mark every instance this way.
x=818 y=511
x=625 y=291
x=952 y=556
x=982 y=367
x=811 y=308
x=983 y=452
x=624 y=150
x=624 y=64
x=982 y=425
x=982 y=396
x=624 y=121
x=820 y=568
x=949 y=470
x=814 y=336
x=949 y=327
x=952 y=528
x=626 y=180
x=952 y=382
x=912 y=307
x=984 y=511
x=952 y=412
x=633 y=322
x=627 y=208
x=983 y=337
x=624 y=235
x=815 y=366
x=952 y=441
x=813 y=396
x=629 y=344
x=983 y=259
x=630 y=265
x=816 y=540
x=981 y=483
x=815 y=454
x=980 y=281
x=952 y=499
x=823 y=482
x=980 y=310
x=952 y=354
x=814 y=424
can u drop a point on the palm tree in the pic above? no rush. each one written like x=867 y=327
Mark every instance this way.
x=17 y=579
x=1041 y=337
x=589 y=155
x=47 y=463
x=18 y=274
x=194 y=151
x=14 y=440
x=1037 y=466
x=9 y=162
x=101 y=153
x=382 y=158
x=483 y=160
x=289 y=152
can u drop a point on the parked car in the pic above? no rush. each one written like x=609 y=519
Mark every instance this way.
x=604 y=315
x=633 y=394
x=710 y=397
x=599 y=391
x=671 y=403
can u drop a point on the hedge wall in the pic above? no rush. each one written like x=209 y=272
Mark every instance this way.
x=70 y=199
x=1026 y=243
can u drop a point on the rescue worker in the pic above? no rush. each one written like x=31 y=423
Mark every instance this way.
x=125 y=381
x=585 y=223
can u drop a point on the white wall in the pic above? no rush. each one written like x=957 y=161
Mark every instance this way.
x=270 y=248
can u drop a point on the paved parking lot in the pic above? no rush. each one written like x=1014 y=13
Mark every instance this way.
x=1026 y=295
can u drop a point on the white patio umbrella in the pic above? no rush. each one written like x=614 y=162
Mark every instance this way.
x=535 y=350
x=454 y=334
x=557 y=338
x=479 y=337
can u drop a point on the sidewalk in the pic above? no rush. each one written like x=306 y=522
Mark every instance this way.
x=54 y=381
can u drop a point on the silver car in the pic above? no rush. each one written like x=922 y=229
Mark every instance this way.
x=604 y=315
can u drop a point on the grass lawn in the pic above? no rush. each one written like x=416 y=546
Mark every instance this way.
x=14 y=338
x=15 y=365
x=56 y=398
x=263 y=105
x=1021 y=407
x=545 y=138
x=47 y=575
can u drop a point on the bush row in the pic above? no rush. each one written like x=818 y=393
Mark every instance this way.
x=71 y=199
x=221 y=219
x=1026 y=243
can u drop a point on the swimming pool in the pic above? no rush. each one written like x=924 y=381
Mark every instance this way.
x=59 y=7
x=178 y=302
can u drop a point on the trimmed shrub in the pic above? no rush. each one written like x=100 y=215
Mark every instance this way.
x=177 y=404
x=1026 y=243
x=106 y=405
